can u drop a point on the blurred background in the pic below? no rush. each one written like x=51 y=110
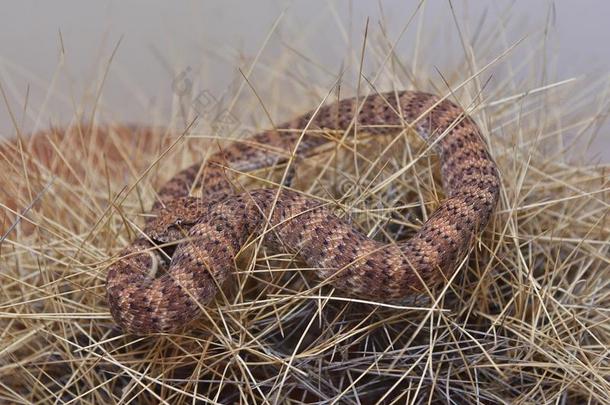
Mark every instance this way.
x=120 y=60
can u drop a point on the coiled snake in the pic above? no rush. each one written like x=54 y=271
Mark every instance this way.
x=214 y=229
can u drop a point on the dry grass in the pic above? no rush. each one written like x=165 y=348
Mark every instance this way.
x=524 y=321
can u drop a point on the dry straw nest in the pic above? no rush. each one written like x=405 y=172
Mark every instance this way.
x=524 y=321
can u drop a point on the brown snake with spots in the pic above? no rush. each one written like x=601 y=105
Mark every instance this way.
x=212 y=230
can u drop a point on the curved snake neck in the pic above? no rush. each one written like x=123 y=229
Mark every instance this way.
x=215 y=228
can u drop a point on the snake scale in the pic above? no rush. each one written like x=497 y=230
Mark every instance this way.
x=213 y=229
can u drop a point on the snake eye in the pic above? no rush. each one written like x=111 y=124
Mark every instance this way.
x=178 y=222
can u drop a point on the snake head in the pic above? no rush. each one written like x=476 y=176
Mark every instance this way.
x=173 y=221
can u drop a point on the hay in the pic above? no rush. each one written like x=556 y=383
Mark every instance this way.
x=524 y=321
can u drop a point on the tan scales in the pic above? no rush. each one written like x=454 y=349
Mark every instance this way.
x=215 y=227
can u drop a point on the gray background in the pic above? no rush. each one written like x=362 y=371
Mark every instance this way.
x=53 y=53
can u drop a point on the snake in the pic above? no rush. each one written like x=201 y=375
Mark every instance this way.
x=151 y=292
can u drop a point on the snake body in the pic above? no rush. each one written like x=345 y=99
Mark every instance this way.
x=214 y=228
